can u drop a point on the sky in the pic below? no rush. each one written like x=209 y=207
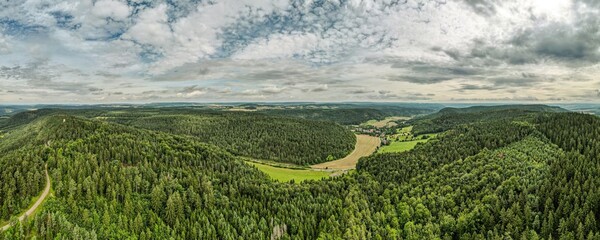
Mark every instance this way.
x=105 y=51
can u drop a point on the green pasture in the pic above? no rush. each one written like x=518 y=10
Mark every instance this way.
x=287 y=174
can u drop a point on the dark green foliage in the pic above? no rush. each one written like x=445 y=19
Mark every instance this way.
x=348 y=116
x=459 y=143
x=514 y=178
x=448 y=118
x=260 y=136
x=254 y=135
x=22 y=178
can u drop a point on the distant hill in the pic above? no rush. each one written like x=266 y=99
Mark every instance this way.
x=528 y=107
x=450 y=117
x=354 y=113
x=249 y=134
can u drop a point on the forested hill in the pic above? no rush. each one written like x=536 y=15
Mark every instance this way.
x=250 y=134
x=499 y=179
x=259 y=136
x=533 y=176
x=353 y=114
x=341 y=113
x=482 y=109
x=448 y=118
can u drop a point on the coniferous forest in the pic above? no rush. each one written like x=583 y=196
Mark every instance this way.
x=533 y=173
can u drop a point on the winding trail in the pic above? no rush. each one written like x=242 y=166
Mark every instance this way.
x=39 y=202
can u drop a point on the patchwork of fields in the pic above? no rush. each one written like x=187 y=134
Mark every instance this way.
x=366 y=145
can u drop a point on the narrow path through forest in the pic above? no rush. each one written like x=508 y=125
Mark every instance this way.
x=39 y=202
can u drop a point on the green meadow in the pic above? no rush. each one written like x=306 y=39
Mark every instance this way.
x=287 y=174
x=396 y=147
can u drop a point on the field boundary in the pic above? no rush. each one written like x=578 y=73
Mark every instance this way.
x=365 y=146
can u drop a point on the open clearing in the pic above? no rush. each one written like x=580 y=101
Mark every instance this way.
x=396 y=147
x=387 y=122
x=365 y=146
x=406 y=129
x=286 y=174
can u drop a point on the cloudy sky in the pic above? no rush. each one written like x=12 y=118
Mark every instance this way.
x=100 y=51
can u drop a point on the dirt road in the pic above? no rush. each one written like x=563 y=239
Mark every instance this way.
x=36 y=204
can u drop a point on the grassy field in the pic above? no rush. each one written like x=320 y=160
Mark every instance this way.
x=286 y=174
x=405 y=129
x=396 y=147
x=387 y=122
x=365 y=146
x=274 y=163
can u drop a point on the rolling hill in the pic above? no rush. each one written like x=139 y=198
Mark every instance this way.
x=526 y=175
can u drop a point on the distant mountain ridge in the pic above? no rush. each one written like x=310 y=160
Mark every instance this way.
x=526 y=107
x=448 y=118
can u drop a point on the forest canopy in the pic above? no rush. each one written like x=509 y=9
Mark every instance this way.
x=530 y=175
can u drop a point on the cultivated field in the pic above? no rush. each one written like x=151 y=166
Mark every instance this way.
x=365 y=146
x=286 y=174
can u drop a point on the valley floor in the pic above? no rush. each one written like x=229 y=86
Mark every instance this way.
x=365 y=146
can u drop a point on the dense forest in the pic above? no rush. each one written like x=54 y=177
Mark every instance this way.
x=531 y=174
x=260 y=136
x=352 y=115
x=256 y=135
x=449 y=117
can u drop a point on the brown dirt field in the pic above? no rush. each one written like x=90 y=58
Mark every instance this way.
x=365 y=146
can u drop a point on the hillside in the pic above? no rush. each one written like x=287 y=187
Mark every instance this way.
x=255 y=135
x=259 y=136
x=531 y=176
x=448 y=118
x=353 y=114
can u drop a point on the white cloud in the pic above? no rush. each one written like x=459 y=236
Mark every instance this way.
x=273 y=89
x=151 y=28
x=236 y=50
x=114 y=9
x=4 y=46
x=195 y=36
x=192 y=94
x=282 y=46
